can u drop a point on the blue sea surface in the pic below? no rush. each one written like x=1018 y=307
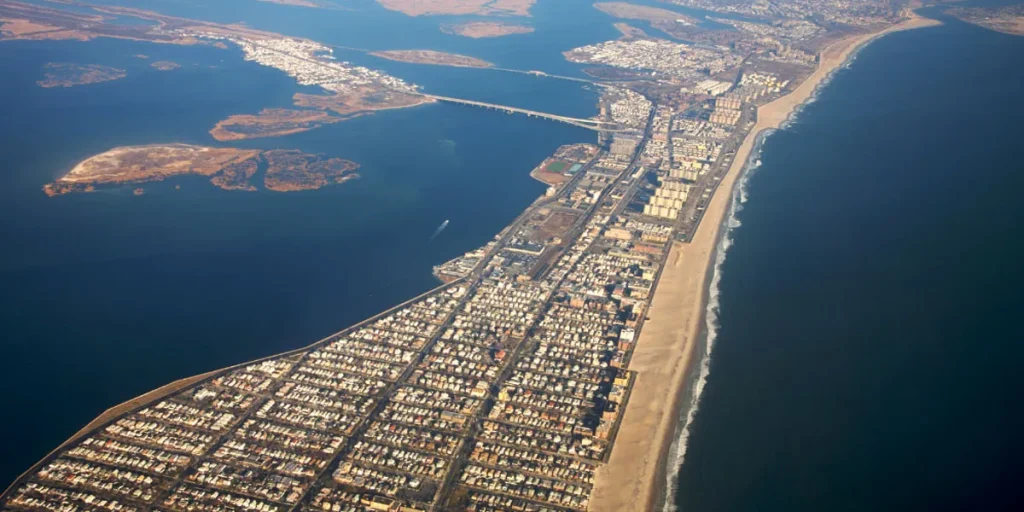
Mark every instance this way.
x=869 y=347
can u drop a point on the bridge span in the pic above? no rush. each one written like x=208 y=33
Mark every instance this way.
x=590 y=124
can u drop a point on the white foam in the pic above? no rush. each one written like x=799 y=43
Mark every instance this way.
x=677 y=452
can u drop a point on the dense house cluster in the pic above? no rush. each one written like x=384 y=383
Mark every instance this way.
x=504 y=390
x=848 y=12
x=312 y=63
x=628 y=108
x=658 y=56
x=260 y=436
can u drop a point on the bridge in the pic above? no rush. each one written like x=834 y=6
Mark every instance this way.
x=590 y=124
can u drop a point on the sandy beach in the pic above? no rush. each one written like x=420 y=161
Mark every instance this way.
x=634 y=478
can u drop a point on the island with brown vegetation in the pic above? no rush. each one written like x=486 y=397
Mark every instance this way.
x=165 y=65
x=291 y=170
x=433 y=57
x=482 y=29
x=63 y=74
x=460 y=7
x=271 y=122
x=227 y=168
x=315 y=111
x=1008 y=19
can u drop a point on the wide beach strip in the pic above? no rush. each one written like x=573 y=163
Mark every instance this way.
x=635 y=476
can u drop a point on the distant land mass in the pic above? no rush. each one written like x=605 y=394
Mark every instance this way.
x=1008 y=19
x=228 y=168
x=481 y=29
x=349 y=91
x=460 y=7
x=675 y=24
x=433 y=57
x=60 y=74
x=305 y=3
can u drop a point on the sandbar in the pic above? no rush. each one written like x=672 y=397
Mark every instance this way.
x=433 y=57
x=482 y=29
x=634 y=478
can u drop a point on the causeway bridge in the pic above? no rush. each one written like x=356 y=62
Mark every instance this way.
x=590 y=124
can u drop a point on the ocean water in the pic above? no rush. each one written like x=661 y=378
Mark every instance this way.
x=106 y=296
x=867 y=336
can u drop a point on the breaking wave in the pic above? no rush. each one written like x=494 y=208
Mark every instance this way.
x=677 y=451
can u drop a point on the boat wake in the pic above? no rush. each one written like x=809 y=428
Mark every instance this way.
x=438 y=230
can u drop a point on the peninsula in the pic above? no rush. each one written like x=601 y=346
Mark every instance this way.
x=57 y=74
x=482 y=29
x=548 y=372
x=630 y=32
x=433 y=57
x=227 y=168
x=1006 y=19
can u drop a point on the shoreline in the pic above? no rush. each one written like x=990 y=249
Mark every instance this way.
x=151 y=397
x=638 y=469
